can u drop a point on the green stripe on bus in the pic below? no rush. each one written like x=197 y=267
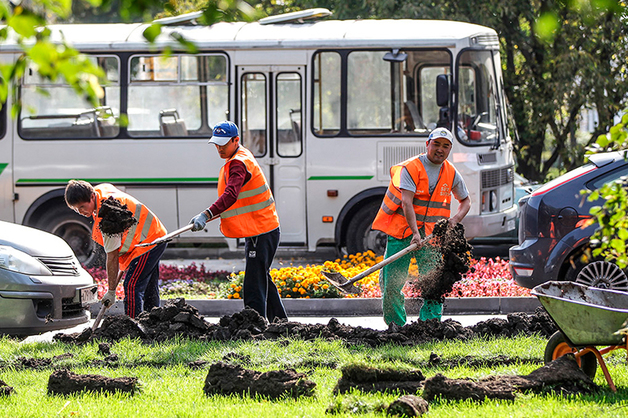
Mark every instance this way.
x=340 y=178
x=3 y=166
x=127 y=180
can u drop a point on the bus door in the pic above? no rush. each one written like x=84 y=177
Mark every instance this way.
x=270 y=118
x=6 y=165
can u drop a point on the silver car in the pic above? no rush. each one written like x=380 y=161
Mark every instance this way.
x=42 y=284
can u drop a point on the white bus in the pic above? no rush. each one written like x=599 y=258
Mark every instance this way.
x=326 y=107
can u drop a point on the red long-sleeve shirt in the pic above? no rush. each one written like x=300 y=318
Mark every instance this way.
x=238 y=176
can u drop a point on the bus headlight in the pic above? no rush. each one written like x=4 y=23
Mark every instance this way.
x=492 y=205
x=20 y=262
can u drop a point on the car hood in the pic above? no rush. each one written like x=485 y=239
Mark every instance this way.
x=33 y=241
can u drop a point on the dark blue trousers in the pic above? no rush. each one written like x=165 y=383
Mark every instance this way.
x=141 y=282
x=260 y=293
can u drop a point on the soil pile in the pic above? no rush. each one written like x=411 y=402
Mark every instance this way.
x=64 y=382
x=115 y=217
x=176 y=318
x=456 y=258
x=370 y=379
x=6 y=390
x=561 y=375
x=229 y=379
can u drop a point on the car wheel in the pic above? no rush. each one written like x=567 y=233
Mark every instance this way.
x=557 y=347
x=360 y=236
x=76 y=230
x=598 y=273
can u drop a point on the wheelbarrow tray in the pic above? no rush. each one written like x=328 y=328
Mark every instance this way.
x=585 y=315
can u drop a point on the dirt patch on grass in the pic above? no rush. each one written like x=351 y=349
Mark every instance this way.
x=5 y=390
x=561 y=375
x=370 y=379
x=64 y=382
x=229 y=379
x=176 y=318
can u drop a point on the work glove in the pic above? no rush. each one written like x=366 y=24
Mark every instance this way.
x=109 y=299
x=199 y=221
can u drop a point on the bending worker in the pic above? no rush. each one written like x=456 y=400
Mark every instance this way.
x=418 y=196
x=141 y=287
x=247 y=210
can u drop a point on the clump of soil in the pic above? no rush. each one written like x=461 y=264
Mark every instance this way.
x=64 y=382
x=6 y=390
x=115 y=217
x=370 y=379
x=456 y=258
x=561 y=375
x=176 y=318
x=408 y=406
x=228 y=379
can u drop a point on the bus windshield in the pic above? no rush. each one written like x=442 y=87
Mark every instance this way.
x=477 y=115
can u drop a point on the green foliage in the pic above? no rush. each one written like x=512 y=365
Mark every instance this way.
x=53 y=59
x=610 y=239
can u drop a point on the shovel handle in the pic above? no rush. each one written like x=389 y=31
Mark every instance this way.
x=101 y=313
x=386 y=261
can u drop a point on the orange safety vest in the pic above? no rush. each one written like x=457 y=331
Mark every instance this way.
x=254 y=212
x=428 y=209
x=148 y=228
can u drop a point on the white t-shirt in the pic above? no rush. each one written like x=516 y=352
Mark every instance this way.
x=458 y=188
x=111 y=242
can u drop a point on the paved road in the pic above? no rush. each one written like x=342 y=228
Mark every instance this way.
x=373 y=322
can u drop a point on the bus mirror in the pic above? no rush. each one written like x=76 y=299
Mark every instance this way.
x=395 y=56
x=442 y=90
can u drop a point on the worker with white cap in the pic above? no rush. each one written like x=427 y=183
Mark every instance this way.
x=418 y=196
x=246 y=208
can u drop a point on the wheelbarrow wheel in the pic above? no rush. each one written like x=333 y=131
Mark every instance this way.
x=557 y=347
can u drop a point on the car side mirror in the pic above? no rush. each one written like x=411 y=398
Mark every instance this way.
x=442 y=90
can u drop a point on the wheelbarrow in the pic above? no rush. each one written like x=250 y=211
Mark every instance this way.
x=586 y=317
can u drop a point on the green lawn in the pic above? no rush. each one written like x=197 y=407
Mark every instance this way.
x=170 y=388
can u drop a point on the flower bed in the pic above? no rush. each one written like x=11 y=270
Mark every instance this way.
x=487 y=277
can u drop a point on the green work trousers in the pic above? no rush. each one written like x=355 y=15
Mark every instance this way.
x=394 y=275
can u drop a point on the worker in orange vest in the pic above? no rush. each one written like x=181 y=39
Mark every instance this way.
x=141 y=282
x=246 y=208
x=418 y=196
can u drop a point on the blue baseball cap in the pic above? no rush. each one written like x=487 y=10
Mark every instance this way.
x=223 y=132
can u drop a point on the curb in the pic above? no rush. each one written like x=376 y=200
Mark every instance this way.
x=357 y=307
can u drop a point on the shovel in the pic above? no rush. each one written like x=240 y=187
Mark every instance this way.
x=171 y=235
x=346 y=286
x=103 y=308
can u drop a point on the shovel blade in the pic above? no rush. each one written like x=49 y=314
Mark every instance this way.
x=340 y=282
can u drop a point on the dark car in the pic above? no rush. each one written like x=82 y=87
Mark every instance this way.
x=42 y=284
x=553 y=237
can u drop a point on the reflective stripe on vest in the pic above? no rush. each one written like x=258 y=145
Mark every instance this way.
x=428 y=209
x=254 y=212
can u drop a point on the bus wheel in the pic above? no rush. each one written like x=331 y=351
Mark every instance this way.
x=557 y=347
x=76 y=230
x=360 y=236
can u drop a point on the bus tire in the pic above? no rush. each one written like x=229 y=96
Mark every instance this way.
x=360 y=236
x=76 y=230
x=557 y=347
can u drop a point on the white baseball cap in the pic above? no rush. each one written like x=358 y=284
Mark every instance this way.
x=441 y=133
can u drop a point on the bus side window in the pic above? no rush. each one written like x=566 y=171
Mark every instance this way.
x=177 y=96
x=326 y=117
x=3 y=119
x=289 y=142
x=61 y=113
